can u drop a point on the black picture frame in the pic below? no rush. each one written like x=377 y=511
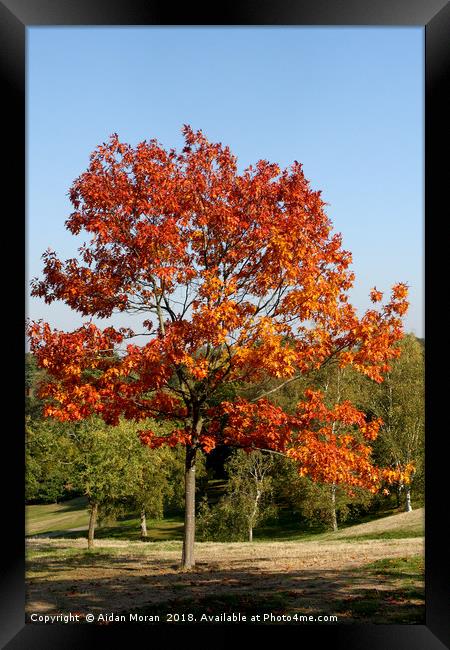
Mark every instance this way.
x=434 y=16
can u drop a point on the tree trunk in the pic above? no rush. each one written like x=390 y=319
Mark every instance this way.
x=333 y=508
x=399 y=494
x=92 y=522
x=143 y=524
x=188 y=561
x=408 y=506
x=253 y=516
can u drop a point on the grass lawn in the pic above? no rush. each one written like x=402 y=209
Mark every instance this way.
x=402 y=603
x=56 y=516
x=399 y=599
x=369 y=573
x=70 y=519
x=376 y=581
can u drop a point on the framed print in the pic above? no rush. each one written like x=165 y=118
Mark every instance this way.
x=225 y=168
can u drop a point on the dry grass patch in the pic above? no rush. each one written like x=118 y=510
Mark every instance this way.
x=126 y=576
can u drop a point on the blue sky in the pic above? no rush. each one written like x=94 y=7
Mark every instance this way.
x=348 y=103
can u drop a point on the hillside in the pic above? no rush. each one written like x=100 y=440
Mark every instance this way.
x=404 y=524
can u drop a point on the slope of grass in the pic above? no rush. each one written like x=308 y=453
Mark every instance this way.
x=397 y=526
x=384 y=525
x=56 y=516
x=68 y=519
x=71 y=518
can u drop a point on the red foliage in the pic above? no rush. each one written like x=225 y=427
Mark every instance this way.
x=241 y=278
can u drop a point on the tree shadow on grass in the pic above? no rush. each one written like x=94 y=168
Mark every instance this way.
x=111 y=582
x=68 y=505
x=174 y=532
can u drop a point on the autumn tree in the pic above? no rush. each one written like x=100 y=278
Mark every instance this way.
x=237 y=276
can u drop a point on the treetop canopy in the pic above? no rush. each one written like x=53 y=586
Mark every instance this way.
x=237 y=277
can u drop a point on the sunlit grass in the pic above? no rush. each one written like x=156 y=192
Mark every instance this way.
x=70 y=520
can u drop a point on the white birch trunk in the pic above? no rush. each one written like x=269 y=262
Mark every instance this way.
x=143 y=524
x=408 y=506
